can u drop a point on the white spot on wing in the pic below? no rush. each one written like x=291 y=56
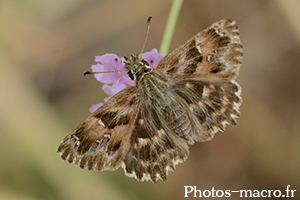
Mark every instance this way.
x=74 y=160
x=142 y=142
x=222 y=33
x=208 y=58
x=188 y=85
x=101 y=123
x=199 y=49
x=60 y=153
x=215 y=130
x=75 y=137
x=161 y=132
x=141 y=121
x=206 y=91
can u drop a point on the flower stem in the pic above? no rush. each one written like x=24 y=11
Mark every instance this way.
x=170 y=27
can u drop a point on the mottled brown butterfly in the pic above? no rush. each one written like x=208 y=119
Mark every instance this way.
x=188 y=97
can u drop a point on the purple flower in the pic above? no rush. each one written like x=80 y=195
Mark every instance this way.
x=119 y=80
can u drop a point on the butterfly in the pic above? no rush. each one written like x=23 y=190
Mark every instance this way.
x=188 y=97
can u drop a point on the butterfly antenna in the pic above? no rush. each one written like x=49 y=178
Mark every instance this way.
x=147 y=33
x=91 y=73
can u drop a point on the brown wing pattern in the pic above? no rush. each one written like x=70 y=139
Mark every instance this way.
x=120 y=134
x=215 y=53
x=203 y=70
x=154 y=149
x=100 y=141
x=213 y=105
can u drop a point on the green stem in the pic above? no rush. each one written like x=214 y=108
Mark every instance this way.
x=170 y=27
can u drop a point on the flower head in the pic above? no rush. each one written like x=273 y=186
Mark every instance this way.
x=119 y=80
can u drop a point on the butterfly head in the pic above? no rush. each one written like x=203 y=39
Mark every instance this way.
x=136 y=67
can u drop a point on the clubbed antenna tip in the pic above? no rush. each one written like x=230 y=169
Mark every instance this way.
x=147 y=33
x=87 y=73
x=149 y=19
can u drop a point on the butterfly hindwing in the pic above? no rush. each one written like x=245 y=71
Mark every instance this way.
x=213 y=105
x=153 y=149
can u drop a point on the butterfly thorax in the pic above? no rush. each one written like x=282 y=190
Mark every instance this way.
x=157 y=97
x=136 y=67
x=151 y=83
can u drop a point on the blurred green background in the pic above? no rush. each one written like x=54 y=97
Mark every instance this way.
x=45 y=46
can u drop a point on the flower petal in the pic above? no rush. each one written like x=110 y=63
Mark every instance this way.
x=94 y=107
x=152 y=57
x=108 y=62
x=107 y=89
x=106 y=78
x=111 y=62
x=118 y=86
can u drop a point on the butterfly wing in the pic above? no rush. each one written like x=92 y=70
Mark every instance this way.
x=124 y=132
x=154 y=149
x=100 y=141
x=212 y=105
x=215 y=53
x=203 y=70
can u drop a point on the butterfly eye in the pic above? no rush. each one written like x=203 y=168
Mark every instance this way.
x=145 y=62
x=130 y=74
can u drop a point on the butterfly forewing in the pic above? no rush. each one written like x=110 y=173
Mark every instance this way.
x=214 y=53
x=146 y=129
x=100 y=142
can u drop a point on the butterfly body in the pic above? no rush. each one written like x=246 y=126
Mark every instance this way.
x=187 y=98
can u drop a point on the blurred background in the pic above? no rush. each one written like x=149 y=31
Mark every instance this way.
x=45 y=46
